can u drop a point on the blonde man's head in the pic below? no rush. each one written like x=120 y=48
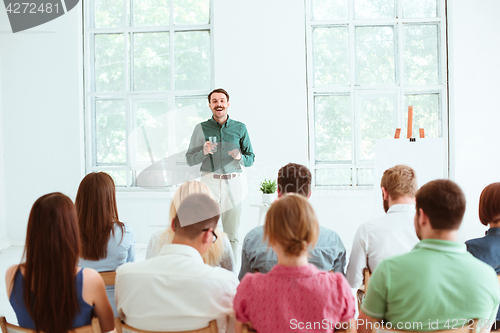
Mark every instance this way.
x=400 y=181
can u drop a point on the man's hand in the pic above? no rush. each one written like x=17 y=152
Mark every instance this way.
x=207 y=148
x=235 y=153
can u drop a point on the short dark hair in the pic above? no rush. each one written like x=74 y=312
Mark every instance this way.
x=196 y=212
x=489 y=204
x=444 y=203
x=294 y=178
x=219 y=90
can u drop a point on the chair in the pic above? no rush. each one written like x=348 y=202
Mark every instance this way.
x=108 y=277
x=124 y=328
x=94 y=327
x=247 y=328
x=364 y=288
x=467 y=328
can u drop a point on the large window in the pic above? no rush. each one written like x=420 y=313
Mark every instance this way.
x=368 y=60
x=148 y=70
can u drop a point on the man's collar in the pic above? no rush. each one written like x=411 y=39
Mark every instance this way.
x=441 y=245
x=401 y=208
x=226 y=123
x=180 y=249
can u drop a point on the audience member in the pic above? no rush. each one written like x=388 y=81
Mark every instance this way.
x=438 y=283
x=219 y=254
x=329 y=253
x=391 y=234
x=48 y=291
x=487 y=248
x=294 y=293
x=176 y=291
x=106 y=242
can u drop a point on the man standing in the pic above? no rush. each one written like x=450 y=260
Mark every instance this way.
x=329 y=253
x=176 y=291
x=391 y=234
x=438 y=285
x=221 y=162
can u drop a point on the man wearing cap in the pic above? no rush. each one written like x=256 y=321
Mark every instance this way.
x=221 y=162
x=176 y=291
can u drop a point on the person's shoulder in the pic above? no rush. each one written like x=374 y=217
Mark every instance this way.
x=11 y=272
x=255 y=232
x=91 y=276
x=134 y=267
x=475 y=241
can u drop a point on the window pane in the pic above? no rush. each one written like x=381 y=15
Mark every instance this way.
x=331 y=56
x=375 y=55
x=374 y=9
x=151 y=129
x=119 y=177
x=329 y=9
x=191 y=11
x=109 y=62
x=338 y=177
x=365 y=177
x=188 y=113
x=192 y=60
x=378 y=121
x=420 y=8
x=151 y=61
x=332 y=128
x=108 y=13
x=110 y=132
x=421 y=54
x=426 y=115
x=151 y=12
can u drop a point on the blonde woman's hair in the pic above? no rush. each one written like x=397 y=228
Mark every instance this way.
x=214 y=254
x=292 y=223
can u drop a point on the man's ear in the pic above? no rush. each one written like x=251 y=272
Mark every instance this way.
x=423 y=219
x=207 y=236
x=279 y=192
x=228 y=104
x=385 y=194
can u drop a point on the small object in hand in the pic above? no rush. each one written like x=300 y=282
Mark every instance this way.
x=213 y=144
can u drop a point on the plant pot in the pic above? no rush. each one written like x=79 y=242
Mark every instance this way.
x=268 y=197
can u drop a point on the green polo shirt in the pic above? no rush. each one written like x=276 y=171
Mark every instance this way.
x=437 y=284
x=231 y=135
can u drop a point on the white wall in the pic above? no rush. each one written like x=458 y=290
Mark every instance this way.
x=3 y=228
x=260 y=60
x=474 y=31
x=41 y=110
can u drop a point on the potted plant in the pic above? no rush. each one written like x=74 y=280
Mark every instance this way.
x=268 y=189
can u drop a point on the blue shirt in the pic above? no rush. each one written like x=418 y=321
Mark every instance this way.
x=120 y=251
x=487 y=249
x=230 y=135
x=83 y=315
x=328 y=254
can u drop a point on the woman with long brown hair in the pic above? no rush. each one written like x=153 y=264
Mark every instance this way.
x=219 y=254
x=106 y=242
x=48 y=291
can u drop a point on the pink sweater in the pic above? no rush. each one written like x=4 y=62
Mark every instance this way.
x=294 y=299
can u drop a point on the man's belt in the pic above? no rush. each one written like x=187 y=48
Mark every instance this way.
x=225 y=176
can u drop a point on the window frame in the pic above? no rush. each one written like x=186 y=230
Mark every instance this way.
x=352 y=90
x=128 y=95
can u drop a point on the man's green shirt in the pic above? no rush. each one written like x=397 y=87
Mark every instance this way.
x=231 y=135
x=438 y=284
